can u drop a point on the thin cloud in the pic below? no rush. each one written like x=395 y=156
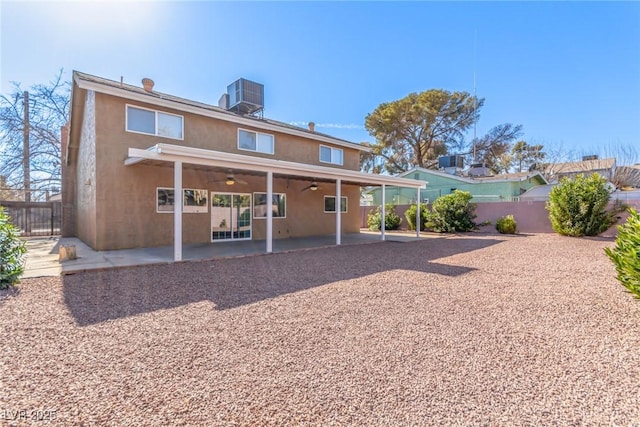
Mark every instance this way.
x=330 y=125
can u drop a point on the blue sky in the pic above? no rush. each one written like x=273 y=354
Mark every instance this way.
x=569 y=72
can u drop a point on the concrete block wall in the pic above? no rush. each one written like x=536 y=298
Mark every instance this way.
x=531 y=217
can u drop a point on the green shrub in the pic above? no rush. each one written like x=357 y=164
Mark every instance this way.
x=452 y=213
x=410 y=215
x=578 y=206
x=506 y=225
x=391 y=219
x=12 y=251
x=626 y=254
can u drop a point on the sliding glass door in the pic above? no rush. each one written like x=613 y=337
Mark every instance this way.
x=230 y=216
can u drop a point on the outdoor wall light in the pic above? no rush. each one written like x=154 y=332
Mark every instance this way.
x=312 y=187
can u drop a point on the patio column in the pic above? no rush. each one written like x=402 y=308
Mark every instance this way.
x=338 y=212
x=269 y=212
x=177 y=211
x=418 y=215
x=382 y=213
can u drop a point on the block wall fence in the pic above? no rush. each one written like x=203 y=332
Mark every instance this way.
x=531 y=217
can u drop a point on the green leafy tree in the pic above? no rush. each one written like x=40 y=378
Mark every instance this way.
x=502 y=164
x=524 y=155
x=626 y=254
x=453 y=212
x=12 y=251
x=418 y=128
x=578 y=207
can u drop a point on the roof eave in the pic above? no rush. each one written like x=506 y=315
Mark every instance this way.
x=173 y=153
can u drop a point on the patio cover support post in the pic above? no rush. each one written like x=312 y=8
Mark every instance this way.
x=177 y=211
x=418 y=214
x=338 y=211
x=269 y=212
x=382 y=213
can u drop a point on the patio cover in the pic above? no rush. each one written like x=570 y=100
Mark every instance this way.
x=179 y=155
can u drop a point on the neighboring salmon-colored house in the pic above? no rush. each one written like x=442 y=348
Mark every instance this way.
x=131 y=149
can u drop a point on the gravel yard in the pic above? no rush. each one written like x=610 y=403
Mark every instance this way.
x=474 y=329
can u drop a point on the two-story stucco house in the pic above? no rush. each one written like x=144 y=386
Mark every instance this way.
x=142 y=168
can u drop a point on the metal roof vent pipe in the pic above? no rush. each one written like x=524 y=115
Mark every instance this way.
x=312 y=126
x=147 y=84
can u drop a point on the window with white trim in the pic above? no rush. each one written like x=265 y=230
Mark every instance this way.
x=193 y=201
x=152 y=122
x=331 y=155
x=278 y=205
x=330 y=204
x=255 y=141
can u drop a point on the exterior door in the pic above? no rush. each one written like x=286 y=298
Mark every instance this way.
x=230 y=216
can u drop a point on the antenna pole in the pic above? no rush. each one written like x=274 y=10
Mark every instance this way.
x=475 y=98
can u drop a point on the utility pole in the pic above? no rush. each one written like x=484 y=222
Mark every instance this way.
x=27 y=170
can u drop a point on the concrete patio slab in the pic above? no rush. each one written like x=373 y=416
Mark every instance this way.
x=43 y=253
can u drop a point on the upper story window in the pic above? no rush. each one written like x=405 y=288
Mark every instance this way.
x=331 y=155
x=255 y=141
x=151 y=122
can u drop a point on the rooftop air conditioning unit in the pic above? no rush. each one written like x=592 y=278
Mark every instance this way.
x=590 y=157
x=245 y=97
x=479 y=170
x=454 y=161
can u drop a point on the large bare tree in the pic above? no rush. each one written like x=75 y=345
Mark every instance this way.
x=624 y=174
x=48 y=107
x=8 y=193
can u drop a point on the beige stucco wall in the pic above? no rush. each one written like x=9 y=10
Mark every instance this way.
x=125 y=196
x=207 y=133
x=68 y=172
x=85 y=212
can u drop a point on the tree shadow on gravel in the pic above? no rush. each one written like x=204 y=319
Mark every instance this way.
x=94 y=297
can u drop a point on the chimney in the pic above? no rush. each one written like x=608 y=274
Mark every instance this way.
x=312 y=126
x=147 y=84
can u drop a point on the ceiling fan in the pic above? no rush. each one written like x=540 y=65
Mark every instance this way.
x=230 y=179
x=313 y=187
